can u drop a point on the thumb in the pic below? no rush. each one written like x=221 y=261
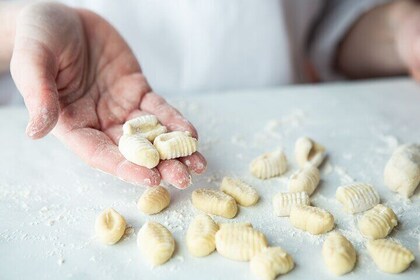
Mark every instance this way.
x=33 y=69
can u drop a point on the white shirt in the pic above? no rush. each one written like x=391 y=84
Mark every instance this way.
x=203 y=45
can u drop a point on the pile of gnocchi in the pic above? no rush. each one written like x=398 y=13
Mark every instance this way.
x=241 y=241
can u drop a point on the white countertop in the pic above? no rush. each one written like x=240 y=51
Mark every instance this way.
x=49 y=199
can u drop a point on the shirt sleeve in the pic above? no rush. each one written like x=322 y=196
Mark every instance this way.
x=335 y=19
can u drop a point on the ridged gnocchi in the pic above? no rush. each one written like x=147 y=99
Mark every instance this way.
x=156 y=243
x=305 y=180
x=239 y=242
x=137 y=149
x=175 y=144
x=378 y=222
x=402 y=172
x=311 y=219
x=200 y=236
x=214 y=202
x=357 y=197
x=283 y=202
x=389 y=256
x=243 y=193
x=154 y=200
x=110 y=226
x=339 y=254
x=147 y=126
x=269 y=165
x=270 y=262
x=307 y=151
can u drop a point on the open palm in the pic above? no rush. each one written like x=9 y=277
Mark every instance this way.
x=80 y=79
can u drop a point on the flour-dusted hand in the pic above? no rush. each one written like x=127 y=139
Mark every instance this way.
x=80 y=79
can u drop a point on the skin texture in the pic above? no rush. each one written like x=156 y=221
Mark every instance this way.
x=80 y=80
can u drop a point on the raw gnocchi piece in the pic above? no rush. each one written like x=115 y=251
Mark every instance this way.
x=339 y=254
x=269 y=165
x=402 y=172
x=110 y=226
x=137 y=149
x=154 y=200
x=147 y=126
x=378 y=222
x=156 y=243
x=283 y=202
x=270 y=262
x=175 y=144
x=389 y=256
x=304 y=180
x=214 y=202
x=307 y=151
x=239 y=242
x=201 y=236
x=357 y=198
x=243 y=193
x=311 y=219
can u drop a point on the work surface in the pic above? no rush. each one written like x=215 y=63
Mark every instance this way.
x=49 y=199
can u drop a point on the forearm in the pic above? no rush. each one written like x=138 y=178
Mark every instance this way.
x=370 y=49
x=8 y=15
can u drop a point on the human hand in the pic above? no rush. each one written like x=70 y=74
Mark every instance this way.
x=80 y=80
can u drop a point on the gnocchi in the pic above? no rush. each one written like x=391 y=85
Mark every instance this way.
x=137 y=149
x=154 y=200
x=156 y=243
x=304 y=180
x=307 y=151
x=175 y=144
x=402 y=172
x=110 y=226
x=357 y=197
x=269 y=165
x=339 y=254
x=378 y=222
x=311 y=219
x=244 y=194
x=147 y=126
x=201 y=236
x=214 y=202
x=283 y=202
x=239 y=242
x=389 y=256
x=270 y=262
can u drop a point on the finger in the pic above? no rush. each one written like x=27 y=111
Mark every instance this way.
x=100 y=152
x=175 y=173
x=196 y=162
x=166 y=114
x=33 y=70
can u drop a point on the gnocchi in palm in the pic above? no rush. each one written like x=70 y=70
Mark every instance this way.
x=110 y=226
x=389 y=256
x=154 y=200
x=243 y=193
x=357 y=198
x=283 y=202
x=147 y=126
x=339 y=254
x=269 y=165
x=270 y=262
x=402 y=172
x=215 y=202
x=309 y=152
x=201 y=236
x=137 y=149
x=304 y=180
x=378 y=222
x=239 y=242
x=311 y=219
x=156 y=243
x=175 y=144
